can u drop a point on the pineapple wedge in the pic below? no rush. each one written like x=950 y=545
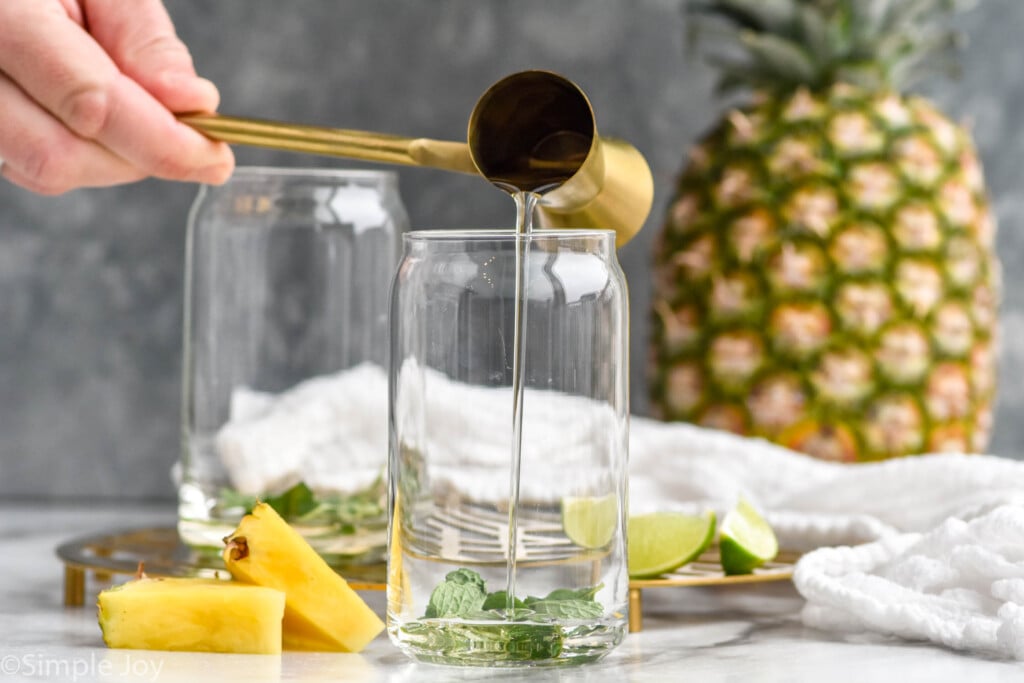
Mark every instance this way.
x=321 y=611
x=198 y=615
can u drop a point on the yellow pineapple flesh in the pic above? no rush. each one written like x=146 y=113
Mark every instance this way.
x=321 y=612
x=197 y=615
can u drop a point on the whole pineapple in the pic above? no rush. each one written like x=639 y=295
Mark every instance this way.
x=826 y=276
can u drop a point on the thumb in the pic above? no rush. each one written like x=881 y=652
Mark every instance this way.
x=141 y=40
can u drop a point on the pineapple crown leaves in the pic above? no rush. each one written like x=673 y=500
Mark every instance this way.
x=780 y=46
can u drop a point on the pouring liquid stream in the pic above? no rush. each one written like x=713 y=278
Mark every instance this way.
x=526 y=202
x=549 y=164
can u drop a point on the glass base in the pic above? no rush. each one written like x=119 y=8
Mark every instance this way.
x=506 y=644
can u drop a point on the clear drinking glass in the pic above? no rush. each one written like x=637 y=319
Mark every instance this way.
x=285 y=350
x=456 y=504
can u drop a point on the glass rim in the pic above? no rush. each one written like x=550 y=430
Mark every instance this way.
x=312 y=172
x=504 y=234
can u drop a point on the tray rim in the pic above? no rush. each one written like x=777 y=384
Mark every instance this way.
x=77 y=565
x=779 y=569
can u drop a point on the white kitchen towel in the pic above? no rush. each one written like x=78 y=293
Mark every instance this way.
x=809 y=502
x=960 y=585
x=947 y=565
x=943 y=535
x=332 y=433
x=329 y=432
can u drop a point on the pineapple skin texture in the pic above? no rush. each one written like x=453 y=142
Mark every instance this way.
x=195 y=615
x=826 y=279
x=322 y=613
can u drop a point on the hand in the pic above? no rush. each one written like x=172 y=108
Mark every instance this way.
x=87 y=91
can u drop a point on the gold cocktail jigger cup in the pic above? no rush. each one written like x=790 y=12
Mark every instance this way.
x=532 y=130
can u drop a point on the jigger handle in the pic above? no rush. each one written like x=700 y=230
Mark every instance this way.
x=338 y=142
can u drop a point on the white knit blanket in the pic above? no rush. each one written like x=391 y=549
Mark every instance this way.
x=942 y=558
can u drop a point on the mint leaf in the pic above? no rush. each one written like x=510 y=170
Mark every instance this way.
x=295 y=502
x=230 y=498
x=500 y=641
x=462 y=592
x=568 y=609
x=465 y=577
x=578 y=594
x=499 y=600
x=518 y=614
x=298 y=500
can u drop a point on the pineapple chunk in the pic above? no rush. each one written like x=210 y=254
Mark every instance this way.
x=321 y=611
x=199 y=615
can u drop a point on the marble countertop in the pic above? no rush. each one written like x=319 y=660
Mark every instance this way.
x=731 y=633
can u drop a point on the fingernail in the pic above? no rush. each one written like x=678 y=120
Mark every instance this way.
x=210 y=90
x=200 y=91
x=217 y=174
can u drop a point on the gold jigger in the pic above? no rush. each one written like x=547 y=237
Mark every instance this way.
x=531 y=131
x=535 y=131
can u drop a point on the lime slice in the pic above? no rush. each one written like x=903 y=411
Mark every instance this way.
x=590 y=521
x=660 y=542
x=745 y=540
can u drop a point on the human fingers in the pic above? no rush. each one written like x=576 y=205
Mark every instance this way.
x=74 y=11
x=41 y=155
x=143 y=44
x=61 y=67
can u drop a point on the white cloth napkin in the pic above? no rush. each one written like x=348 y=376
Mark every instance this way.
x=330 y=432
x=809 y=502
x=943 y=535
x=959 y=585
x=946 y=561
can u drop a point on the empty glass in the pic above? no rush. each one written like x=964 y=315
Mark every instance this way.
x=465 y=529
x=285 y=387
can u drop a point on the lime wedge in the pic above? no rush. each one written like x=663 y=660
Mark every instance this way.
x=590 y=521
x=745 y=540
x=660 y=542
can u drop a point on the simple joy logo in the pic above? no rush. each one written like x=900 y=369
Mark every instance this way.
x=73 y=669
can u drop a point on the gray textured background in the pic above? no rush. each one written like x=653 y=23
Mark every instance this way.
x=90 y=283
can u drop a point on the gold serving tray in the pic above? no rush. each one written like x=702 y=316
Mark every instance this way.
x=105 y=556
x=118 y=553
x=706 y=570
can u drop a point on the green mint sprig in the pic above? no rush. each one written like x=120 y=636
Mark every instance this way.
x=463 y=594
x=487 y=627
x=300 y=504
